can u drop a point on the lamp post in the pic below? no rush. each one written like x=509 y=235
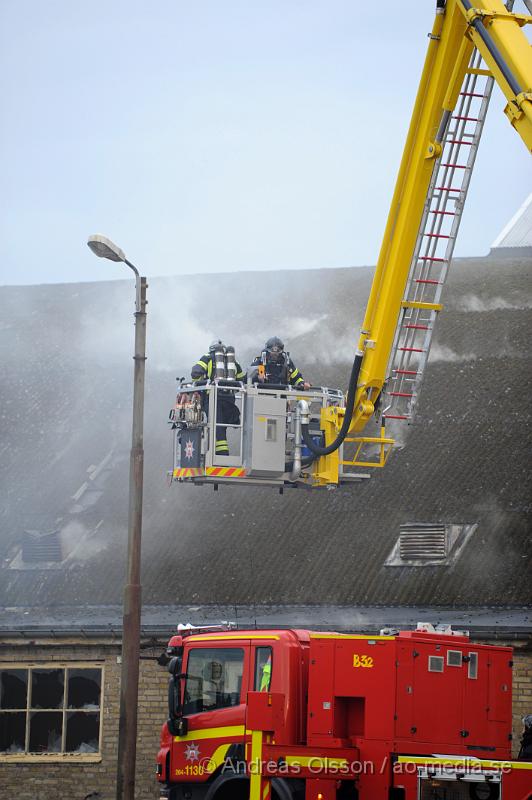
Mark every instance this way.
x=129 y=683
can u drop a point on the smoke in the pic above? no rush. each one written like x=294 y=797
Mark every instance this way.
x=79 y=542
x=104 y=333
x=331 y=349
x=471 y=302
x=183 y=317
x=66 y=353
x=300 y=326
x=445 y=354
x=178 y=332
x=66 y=395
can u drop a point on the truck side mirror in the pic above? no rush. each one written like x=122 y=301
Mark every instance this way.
x=175 y=707
x=177 y=724
x=173 y=665
x=178 y=727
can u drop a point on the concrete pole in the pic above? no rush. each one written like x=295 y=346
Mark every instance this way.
x=129 y=683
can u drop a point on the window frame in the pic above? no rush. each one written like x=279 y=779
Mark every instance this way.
x=472 y=666
x=48 y=758
x=458 y=654
x=436 y=659
x=256 y=664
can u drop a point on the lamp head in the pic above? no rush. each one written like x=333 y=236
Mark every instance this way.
x=105 y=248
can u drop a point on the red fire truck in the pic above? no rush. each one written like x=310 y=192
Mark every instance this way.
x=295 y=715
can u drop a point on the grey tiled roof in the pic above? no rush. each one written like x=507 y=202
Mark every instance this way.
x=65 y=427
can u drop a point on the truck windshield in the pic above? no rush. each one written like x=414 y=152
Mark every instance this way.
x=214 y=679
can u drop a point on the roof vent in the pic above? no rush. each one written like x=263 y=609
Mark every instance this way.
x=38 y=547
x=422 y=544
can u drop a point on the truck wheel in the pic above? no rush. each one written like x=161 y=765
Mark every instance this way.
x=236 y=787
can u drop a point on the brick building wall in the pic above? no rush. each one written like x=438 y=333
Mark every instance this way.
x=75 y=779
x=522 y=692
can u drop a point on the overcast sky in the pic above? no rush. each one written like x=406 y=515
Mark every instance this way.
x=217 y=135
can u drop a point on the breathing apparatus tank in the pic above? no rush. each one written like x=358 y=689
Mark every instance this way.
x=219 y=361
x=230 y=363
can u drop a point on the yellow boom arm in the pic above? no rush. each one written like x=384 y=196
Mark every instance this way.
x=452 y=40
x=458 y=28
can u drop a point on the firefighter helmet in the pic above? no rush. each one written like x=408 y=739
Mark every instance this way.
x=274 y=345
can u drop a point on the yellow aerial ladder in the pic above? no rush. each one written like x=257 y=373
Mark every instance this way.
x=423 y=221
x=287 y=439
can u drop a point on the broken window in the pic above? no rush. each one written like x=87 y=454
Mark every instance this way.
x=82 y=733
x=84 y=689
x=13 y=688
x=50 y=709
x=47 y=688
x=45 y=732
x=12 y=732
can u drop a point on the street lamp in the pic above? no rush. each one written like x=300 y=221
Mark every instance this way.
x=129 y=683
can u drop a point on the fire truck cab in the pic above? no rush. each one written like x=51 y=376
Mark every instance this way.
x=295 y=715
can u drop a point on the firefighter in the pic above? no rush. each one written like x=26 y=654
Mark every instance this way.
x=220 y=363
x=525 y=752
x=266 y=675
x=274 y=365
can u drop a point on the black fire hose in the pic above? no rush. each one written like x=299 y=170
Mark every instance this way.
x=351 y=392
